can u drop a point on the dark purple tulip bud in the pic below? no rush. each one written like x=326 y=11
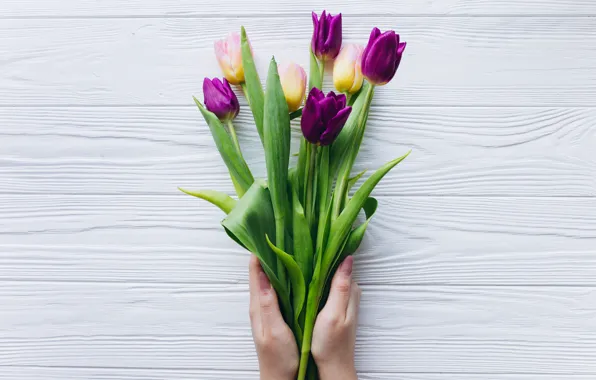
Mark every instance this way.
x=323 y=117
x=326 y=38
x=220 y=99
x=382 y=56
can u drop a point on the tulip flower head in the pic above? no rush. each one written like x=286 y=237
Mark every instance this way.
x=326 y=38
x=382 y=56
x=293 y=82
x=323 y=117
x=229 y=56
x=347 y=71
x=220 y=99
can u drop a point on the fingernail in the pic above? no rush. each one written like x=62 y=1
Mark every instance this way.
x=264 y=283
x=347 y=265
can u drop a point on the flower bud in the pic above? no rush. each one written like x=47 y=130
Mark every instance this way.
x=220 y=99
x=327 y=36
x=323 y=117
x=382 y=56
x=293 y=82
x=229 y=56
x=347 y=71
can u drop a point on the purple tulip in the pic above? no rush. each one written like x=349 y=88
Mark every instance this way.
x=220 y=99
x=382 y=56
x=323 y=117
x=326 y=38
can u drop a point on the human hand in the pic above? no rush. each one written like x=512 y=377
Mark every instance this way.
x=334 y=335
x=275 y=343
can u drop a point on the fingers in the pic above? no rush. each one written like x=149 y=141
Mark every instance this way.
x=254 y=268
x=264 y=308
x=268 y=305
x=354 y=303
x=341 y=288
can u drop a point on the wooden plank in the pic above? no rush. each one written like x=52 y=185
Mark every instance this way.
x=412 y=240
x=495 y=151
x=188 y=8
x=72 y=373
x=155 y=61
x=470 y=330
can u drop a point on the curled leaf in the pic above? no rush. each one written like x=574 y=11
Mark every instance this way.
x=217 y=198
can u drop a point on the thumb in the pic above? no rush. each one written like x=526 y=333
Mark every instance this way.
x=268 y=305
x=339 y=295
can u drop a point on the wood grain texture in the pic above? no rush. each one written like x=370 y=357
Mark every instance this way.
x=189 y=8
x=156 y=61
x=456 y=151
x=432 y=329
x=412 y=240
x=479 y=265
x=73 y=373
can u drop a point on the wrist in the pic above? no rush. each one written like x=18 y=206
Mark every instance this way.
x=337 y=371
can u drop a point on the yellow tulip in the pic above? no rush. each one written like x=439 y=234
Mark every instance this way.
x=293 y=82
x=229 y=56
x=347 y=69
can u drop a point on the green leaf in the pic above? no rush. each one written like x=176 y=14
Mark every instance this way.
x=296 y=279
x=343 y=143
x=324 y=198
x=237 y=167
x=341 y=227
x=303 y=246
x=248 y=224
x=276 y=134
x=357 y=234
x=254 y=89
x=351 y=182
x=219 y=199
x=314 y=77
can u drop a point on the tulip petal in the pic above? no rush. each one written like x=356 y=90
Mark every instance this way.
x=328 y=107
x=335 y=125
x=334 y=37
x=379 y=66
x=315 y=34
x=311 y=120
x=376 y=32
x=317 y=94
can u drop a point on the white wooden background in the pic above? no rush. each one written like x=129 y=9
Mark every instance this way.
x=480 y=264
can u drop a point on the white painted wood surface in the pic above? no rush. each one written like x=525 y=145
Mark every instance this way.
x=480 y=265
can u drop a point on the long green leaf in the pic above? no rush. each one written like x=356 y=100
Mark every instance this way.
x=341 y=227
x=345 y=139
x=237 y=167
x=357 y=234
x=303 y=245
x=276 y=134
x=217 y=198
x=296 y=279
x=248 y=224
x=254 y=89
x=351 y=182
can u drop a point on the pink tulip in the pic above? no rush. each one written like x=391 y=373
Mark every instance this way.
x=229 y=56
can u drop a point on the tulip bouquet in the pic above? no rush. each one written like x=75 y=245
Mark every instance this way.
x=300 y=221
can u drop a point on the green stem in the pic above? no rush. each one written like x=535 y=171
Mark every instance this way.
x=296 y=114
x=234 y=137
x=342 y=182
x=310 y=185
x=321 y=64
x=314 y=298
x=245 y=92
